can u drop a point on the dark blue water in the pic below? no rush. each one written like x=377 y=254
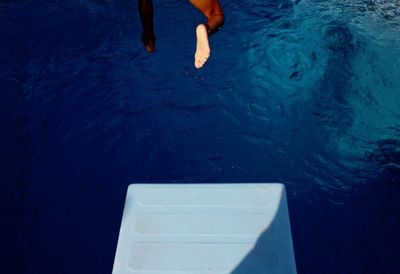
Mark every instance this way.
x=306 y=93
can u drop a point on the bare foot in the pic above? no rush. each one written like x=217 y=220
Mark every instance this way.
x=202 y=46
x=149 y=42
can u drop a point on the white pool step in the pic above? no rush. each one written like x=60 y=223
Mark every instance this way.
x=205 y=229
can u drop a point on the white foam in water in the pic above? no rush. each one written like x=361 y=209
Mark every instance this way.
x=205 y=228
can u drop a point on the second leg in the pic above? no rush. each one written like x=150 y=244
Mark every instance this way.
x=212 y=10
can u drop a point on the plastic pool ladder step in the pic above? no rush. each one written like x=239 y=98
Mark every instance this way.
x=205 y=229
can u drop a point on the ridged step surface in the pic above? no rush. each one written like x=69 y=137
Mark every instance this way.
x=205 y=229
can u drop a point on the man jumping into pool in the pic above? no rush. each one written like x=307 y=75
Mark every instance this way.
x=215 y=19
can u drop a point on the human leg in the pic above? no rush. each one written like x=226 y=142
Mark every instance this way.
x=212 y=10
x=146 y=16
x=215 y=19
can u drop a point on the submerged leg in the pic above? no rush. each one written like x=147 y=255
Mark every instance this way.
x=215 y=19
x=146 y=16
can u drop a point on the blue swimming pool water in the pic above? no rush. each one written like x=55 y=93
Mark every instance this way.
x=306 y=93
